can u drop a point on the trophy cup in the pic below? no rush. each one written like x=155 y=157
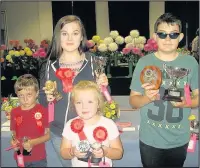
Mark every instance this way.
x=175 y=73
x=25 y=152
x=101 y=63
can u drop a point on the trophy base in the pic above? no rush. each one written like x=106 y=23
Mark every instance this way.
x=168 y=97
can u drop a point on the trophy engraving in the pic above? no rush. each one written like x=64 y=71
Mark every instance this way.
x=175 y=73
x=151 y=74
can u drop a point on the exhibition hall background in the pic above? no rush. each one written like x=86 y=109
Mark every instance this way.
x=36 y=20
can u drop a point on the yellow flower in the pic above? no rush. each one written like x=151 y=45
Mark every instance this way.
x=108 y=114
x=113 y=112
x=10 y=60
x=22 y=52
x=11 y=52
x=96 y=39
x=27 y=49
x=8 y=57
x=112 y=106
x=29 y=53
x=8 y=108
x=191 y=117
x=17 y=53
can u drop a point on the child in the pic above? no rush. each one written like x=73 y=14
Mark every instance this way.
x=29 y=124
x=164 y=126
x=88 y=102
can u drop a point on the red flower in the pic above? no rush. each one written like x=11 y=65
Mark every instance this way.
x=3 y=47
x=77 y=125
x=100 y=134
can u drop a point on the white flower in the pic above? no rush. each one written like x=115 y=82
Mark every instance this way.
x=134 y=33
x=108 y=40
x=140 y=46
x=129 y=45
x=112 y=47
x=128 y=39
x=142 y=39
x=114 y=34
x=119 y=40
x=136 y=41
x=102 y=47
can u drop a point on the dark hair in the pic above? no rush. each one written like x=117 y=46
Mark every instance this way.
x=55 y=49
x=169 y=19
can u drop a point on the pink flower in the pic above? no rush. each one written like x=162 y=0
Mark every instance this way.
x=41 y=50
x=89 y=44
x=148 y=47
x=126 y=50
x=151 y=41
x=35 y=54
x=3 y=47
x=43 y=54
x=155 y=47
x=136 y=51
x=141 y=54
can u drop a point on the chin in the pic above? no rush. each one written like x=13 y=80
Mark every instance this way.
x=70 y=49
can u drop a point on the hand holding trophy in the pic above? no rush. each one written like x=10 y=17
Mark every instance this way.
x=52 y=94
x=151 y=78
x=173 y=93
x=101 y=63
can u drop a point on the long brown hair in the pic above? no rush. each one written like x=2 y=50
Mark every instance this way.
x=55 y=50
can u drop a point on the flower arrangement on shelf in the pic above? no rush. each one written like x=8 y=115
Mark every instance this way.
x=8 y=104
x=24 y=59
x=133 y=49
x=111 y=110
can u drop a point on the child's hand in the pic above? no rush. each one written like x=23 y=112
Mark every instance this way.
x=150 y=92
x=102 y=79
x=77 y=153
x=27 y=145
x=15 y=143
x=98 y=153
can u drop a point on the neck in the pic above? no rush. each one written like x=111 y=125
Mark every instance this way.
x=29 y=107
x=92 y=120
x=166 y=56
x=73 y=56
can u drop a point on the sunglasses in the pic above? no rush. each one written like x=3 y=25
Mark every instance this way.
x=163 y=35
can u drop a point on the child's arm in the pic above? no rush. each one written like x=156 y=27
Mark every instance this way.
x=32 y=142
x=66 y=149
x=114 y=151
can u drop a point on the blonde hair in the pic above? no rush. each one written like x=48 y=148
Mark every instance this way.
x=26 y=81
x=89 y=85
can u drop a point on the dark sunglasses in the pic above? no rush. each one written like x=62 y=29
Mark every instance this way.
x=163 y=35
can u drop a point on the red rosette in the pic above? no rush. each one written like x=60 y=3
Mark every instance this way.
x=60 y=74
x=77 y=125
x=66 y=75
x=100 y=134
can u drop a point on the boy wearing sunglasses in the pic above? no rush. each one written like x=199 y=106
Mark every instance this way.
x=164 y=127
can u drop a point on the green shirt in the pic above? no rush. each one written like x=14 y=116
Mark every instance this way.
x=162 y=125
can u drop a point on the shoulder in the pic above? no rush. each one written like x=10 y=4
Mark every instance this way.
x=16 y=110
x=107 y=122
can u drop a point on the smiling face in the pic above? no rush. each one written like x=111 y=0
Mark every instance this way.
x=71 y=36
x=86 y=104
x=168 y=45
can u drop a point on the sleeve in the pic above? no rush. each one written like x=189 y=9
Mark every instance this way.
x=46 y=117
x=67 y=132
x=12 y=121
x=113 y=131
x=135 y=82
x=195 y=76
x=42 y=79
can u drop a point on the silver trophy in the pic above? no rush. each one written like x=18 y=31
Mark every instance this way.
x=175 y=73
x=101 y=63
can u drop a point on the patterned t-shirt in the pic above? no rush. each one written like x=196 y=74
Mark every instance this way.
x=162 y=125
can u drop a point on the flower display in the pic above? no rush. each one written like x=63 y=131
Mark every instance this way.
x=111 y=110
x=150 y=46
x=183 y=51
x=8 y=104
x=114 y=34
